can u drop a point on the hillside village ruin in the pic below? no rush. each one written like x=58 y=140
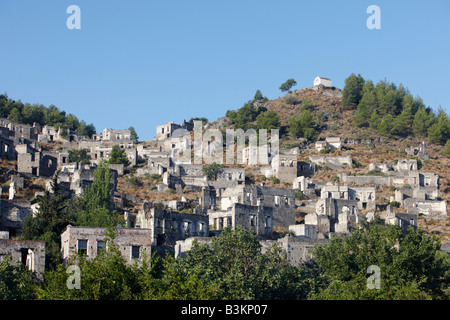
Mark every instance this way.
x=308 y=211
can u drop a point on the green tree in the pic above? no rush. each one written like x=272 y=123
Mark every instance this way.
x=421 y=123
x=298 y=126
x=367 y=104
x=107 y=277
x=97 y=200
x=211 y=171
x=16 y=281
x=374 y=120
x=259 y=96
x=243 y=117
x=79 y=155
x=447 y=149
x=133 y=135
x=56 y=210
x=403 y=122
x=118 y=156
x=353 y=91
x=287 y=86
x=15 y=115
x=235 y=268
x=268 y=120
x=386 y=125
x=412 y=267
x=86 y=130
x=439 y=132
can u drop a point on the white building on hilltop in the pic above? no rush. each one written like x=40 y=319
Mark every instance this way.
x=323 y=81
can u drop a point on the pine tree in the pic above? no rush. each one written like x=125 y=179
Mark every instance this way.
x=365 y=106
x=374 y=120
x=133 y=135
x=447 y=149
x=353 y=91
x=403 y=121
x=385 y=127
x=421 y=122
x=439 y=132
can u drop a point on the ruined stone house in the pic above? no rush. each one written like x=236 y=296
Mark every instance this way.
x=167 y=226
x=132 y=243
x=258 y=218
x=26 y=252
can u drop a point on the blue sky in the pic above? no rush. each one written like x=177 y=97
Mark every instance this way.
x=143 y=63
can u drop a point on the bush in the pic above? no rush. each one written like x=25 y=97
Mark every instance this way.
x=299 y=195
x=275 y=180
x=395 y=204
x=292 y=100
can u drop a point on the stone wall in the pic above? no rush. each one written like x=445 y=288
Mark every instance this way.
x=125 y=239
x=29 y=253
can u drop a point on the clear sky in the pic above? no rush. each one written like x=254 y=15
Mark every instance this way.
x=143 y=63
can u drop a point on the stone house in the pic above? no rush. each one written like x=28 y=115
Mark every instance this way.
x=167 y=226
x=165 y=131
x=284 y=167
x=7 y=150
x=259 y=218
x=115 y=134
x=27 y=252
x=282 y=201
x=406 y=165
x=132 y=243
x=364 y=195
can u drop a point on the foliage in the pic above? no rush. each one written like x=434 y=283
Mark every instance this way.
x=291 y=99
x=439 y=132
x=393 y=111
x=55 y=212
x=242 y=118
x=353 y=91
x=97 y=200
x=133 y=135
x=79 y=155
x=412 y=267
x=51 y=115
x=421 y=123
x=303 y=126
x=16 y=281
x=118 y=156
x=259 y=96
x=287 y=86
x=233 y=267
x=212 y=170
x=275 y=180
x=299 y=195
x=268 y=120
x=202 y=119
x=447 y=149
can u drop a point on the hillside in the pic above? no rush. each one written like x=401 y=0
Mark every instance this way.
x=333 y=120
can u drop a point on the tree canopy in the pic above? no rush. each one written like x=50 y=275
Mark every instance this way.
x=27 y=113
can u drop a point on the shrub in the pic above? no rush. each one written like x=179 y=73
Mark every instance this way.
x=275 y=180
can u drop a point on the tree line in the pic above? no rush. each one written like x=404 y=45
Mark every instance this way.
x=28 y=113
x=392 y=111
x=234 y=266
